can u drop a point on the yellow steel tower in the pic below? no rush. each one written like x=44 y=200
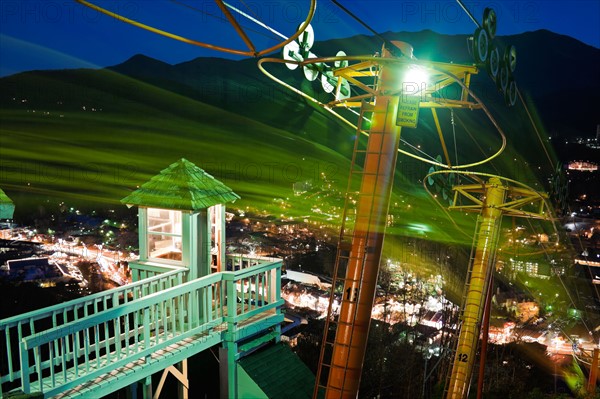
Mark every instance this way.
x=493 y=199
x=479 y=274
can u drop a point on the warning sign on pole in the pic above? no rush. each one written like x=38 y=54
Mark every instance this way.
x=408 y=111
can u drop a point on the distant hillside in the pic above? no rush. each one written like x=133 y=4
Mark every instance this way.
x=553 y=70
x=558 y=73
x=95 y=134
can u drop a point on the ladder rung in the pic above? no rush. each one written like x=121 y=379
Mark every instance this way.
x=338 y=344
x=344 y=246
x=363 y=173
x=352 y=280
x=332 y=389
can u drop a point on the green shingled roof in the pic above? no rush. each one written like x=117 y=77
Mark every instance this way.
x=182 y=186
x=7 y=208
x=4 y=198
x=279 y=373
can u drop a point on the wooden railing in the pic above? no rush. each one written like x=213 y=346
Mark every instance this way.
x=149 y=270
x=219 y=306
x=14 y=329
x=234 y=262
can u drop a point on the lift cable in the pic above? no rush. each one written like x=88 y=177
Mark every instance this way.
x=454 y=135
x=256 y=21
x=464 y=126
x=220 y=18
x=387 y=43
x=535 y=128
x=466 y=10
x=417 y=149
x=539 y=136
x=518 y=91
x=328 y=108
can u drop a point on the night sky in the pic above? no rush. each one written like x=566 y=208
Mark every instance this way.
x=52 y=34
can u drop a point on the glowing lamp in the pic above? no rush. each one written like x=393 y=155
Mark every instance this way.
x=415 y=80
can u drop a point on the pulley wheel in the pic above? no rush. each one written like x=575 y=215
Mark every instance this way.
x=493 y=63
x=510 y=95
x=481 y=45
x=510 y=57
x=503 y=75
x=489 y=22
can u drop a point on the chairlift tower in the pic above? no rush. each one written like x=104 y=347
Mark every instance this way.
x=492 y=199
x=389 y=90
x=360 y=250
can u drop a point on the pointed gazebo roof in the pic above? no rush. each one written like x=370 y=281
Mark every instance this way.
x=7 y=207
x=182 y=186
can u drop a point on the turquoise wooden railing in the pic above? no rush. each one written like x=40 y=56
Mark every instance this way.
x=14 y=329
x=139 y=334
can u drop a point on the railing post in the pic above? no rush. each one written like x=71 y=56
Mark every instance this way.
x=227 y=370
x=276 y=297
x=275 y=283
x=147 y=388
x=147 y=330
x=24 y=367
x=231 y=297
x=144 y=311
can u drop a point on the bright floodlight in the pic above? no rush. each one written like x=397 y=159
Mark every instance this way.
x=415 y=80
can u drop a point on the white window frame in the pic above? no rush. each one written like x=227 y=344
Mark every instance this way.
x=148 y=233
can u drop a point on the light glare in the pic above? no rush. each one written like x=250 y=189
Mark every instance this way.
x=415 y=80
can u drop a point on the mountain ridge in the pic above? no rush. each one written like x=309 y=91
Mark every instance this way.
x=548 y=64
x=227 y=112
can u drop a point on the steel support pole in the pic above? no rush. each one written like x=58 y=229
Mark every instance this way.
x=147 y=387
x=593 y=372
x=367 y=241
x=228 y=370
x=481 y=268
x=484 y=336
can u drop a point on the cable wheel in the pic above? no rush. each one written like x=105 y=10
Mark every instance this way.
x=503 y=75
x=510 y=95
x=481 y=43
x=493 y=64
x=510 y=57
x=489 y=22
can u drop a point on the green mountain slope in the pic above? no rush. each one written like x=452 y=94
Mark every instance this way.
x=95 y=134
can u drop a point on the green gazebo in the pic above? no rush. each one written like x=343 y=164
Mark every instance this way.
x=7 y=207
x=181 y=221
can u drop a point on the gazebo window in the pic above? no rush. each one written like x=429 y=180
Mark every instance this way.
x=164 y=234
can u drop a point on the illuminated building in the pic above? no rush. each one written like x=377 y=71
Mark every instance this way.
x=582 y=166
